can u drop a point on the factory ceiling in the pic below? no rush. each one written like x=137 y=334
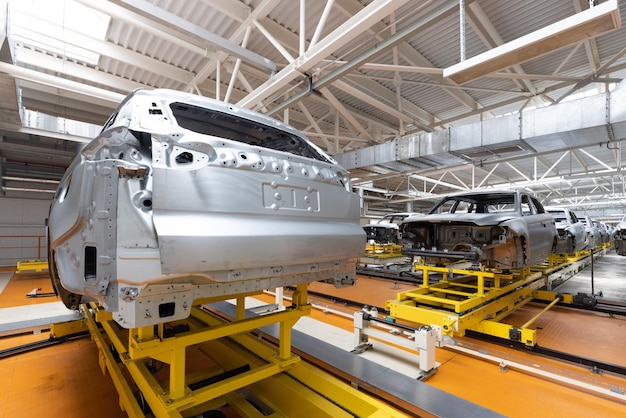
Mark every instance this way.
x=416 y=98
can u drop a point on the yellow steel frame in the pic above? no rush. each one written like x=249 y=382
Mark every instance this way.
x=477 y=300
x=31 y=265
x=64 y=329
x=556 y=260
x=274 y=375
x=461 y=290
x=469 y=300
x=383 y=250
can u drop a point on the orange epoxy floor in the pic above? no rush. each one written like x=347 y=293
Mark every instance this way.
x=59 y=381
x=66 y=381
x=510 y=392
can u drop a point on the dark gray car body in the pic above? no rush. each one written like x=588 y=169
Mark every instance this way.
x=504 y=229
x=572 y=236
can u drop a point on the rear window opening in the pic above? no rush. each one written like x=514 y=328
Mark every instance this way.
x=210 y=122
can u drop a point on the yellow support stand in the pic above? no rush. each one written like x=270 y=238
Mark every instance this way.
x=31 y=265
x=382 y=254
x=213 y=361
x=383 y=250
x=456 y=300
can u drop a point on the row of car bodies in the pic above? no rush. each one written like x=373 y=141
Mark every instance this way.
x=386 y=229
x=620 y=237
x=496 y=229
x=573 y=234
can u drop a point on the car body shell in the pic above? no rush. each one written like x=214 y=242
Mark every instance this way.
x=605 y=235
x=620 y=236
x=182 y=197
x=593 y=234
x=505 y=229
x=572 y=236
x=386 y=229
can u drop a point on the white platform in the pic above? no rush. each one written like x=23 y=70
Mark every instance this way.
x=33 y=318
x=394 y=358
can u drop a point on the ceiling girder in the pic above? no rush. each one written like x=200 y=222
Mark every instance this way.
x=166 y=18
x=363 y=58
x=345 y=33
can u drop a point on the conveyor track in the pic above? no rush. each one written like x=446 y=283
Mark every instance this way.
x=25 y=348
x=596 y=366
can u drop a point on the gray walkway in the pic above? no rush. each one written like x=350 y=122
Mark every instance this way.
x=609 y=277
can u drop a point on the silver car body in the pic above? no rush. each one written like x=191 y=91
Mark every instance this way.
x=603 y=230
x=506 y=229
x=181 y=197
x=620 y=237
x=593 y=234
x=572 y=236
x=386 y=230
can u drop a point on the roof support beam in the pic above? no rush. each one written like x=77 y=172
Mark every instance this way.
x=353 y=91
x=164 y=17
x=259 y=12
x=345 y=33
x=368 y=55
x=61 y=83
x=344 y=112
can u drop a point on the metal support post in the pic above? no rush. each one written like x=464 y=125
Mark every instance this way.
x=240 y=308
x=426 y=341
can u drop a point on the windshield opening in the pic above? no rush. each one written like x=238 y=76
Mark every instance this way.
x=223 y=125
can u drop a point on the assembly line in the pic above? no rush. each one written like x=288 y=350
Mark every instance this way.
x=277 y=208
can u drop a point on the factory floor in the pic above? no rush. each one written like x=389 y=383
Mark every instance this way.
x=65 y=380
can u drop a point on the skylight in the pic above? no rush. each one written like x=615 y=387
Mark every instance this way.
x=46 y=24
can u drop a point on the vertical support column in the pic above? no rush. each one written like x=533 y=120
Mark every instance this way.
x=177 y=373
x=445 y=276
x=280 y=291
x=424 y=277
x=284 y=348
x=240 y=308
x=299 y=302
x=143 y=333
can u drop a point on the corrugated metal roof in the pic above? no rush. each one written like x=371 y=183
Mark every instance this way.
x=433 y=102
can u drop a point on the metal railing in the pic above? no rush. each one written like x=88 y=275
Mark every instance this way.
x=14 y=248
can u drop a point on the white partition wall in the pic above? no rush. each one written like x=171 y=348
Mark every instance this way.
x=22 y=230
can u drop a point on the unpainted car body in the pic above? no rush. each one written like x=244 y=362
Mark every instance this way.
x=593 y=234
x=572 y=236
x=620 y=237
x=386 y=229
x=506 y=229
x=605 y=235
x=181 y=197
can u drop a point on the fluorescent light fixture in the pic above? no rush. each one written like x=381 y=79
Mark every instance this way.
x=587 y=24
